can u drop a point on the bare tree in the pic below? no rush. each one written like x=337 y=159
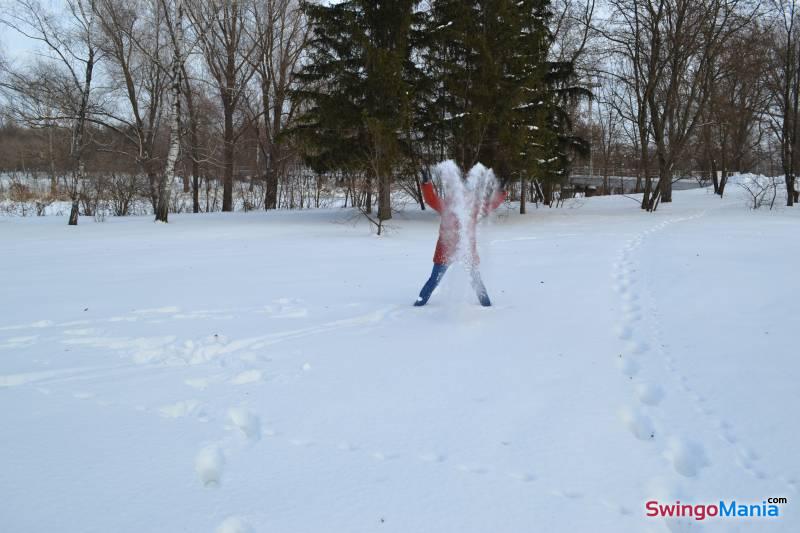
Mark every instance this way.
x=606 y=132
x=731 y=127
x=175 y=25
x=784 y=86
x=668 y=51
x=634 y=68
x=281 y=35
x=762 y=190
x=132 y=37
x=690 y=40
x=228 y=52
x=575 y=39
x=64 y=76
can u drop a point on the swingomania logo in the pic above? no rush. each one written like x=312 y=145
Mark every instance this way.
x=768 y=508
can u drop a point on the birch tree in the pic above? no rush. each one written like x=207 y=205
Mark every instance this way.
x=175 y=25
x=65 y=76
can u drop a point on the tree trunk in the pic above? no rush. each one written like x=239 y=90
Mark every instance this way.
x=714 y=178
x=73 y=213
x=664 y=179
x=77 y=146
x=522 y=191
x=547 y=192
x=153 y=183
x=193 y=137
x=791 y=196
x=368 y=195
x=53 y=175
x=195 y=158
x=227 y=161
x=384 y=196
x=666 y=189
x=419 y=191
x=271 y=186
x=195 y=191
x=644 y=170
x=165 y=187
x=648 y=186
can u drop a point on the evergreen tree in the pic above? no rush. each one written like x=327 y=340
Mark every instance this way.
x=357 y=87
x=550 y=92
x=494 y=96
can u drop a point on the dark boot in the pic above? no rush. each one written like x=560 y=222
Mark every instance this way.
x=436 y=276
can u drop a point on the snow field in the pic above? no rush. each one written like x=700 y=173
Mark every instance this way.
x=267 y=372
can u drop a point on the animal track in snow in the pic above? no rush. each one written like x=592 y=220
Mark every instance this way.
x=473 y=469
x=285 y=308
x=178 y=409
x=246 y=377
x=245 y=421
x=199 y=383
x=623 y=331
x=630 y=308
x=347 y=447
x=638 y=423
x=384 y=456
x=567 y=493
x=637 y=347
x=687 y=457
x=649 y=394
x=208 y=464
x=627 y=365
x=524 y=477
x=726 y=432
x=629 y=296
x=235 y=524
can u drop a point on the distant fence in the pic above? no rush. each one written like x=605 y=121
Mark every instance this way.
x=625 y=182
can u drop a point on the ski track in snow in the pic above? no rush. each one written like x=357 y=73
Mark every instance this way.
x=240 y=427
x=650 y=374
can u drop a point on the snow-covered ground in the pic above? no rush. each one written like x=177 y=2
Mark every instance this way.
x=267 y=372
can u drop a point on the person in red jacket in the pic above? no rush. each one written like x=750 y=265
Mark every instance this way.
x=451 y=247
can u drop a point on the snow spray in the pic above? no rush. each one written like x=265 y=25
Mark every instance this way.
x=467 y=200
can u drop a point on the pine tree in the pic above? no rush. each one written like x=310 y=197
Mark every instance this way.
x=458 y=62
x=494 y=97
x=357 y=88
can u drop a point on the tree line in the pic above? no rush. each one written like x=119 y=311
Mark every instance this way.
x=268 y=103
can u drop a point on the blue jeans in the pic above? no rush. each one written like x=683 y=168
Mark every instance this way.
x=436 y=276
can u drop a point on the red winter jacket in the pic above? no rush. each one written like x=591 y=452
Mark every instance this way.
x=449 y=227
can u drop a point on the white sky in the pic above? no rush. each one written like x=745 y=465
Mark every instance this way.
x=15 y=46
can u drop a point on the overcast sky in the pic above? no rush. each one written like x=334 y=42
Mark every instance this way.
x=14 y=45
